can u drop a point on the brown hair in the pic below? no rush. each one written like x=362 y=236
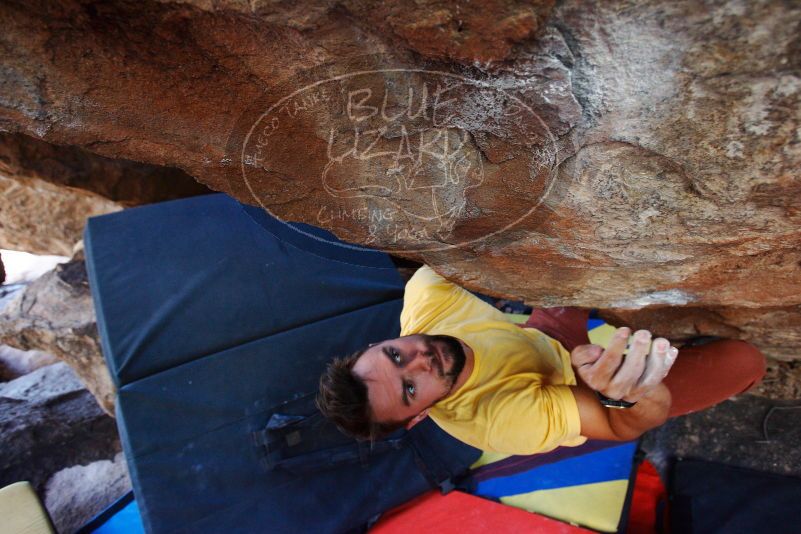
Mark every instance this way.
x=343 y=399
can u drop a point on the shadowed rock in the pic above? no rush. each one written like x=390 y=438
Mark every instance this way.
x=47 y=192
x=49 y=421
x=75 y=495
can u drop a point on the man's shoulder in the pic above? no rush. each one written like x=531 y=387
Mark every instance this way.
x=431 y=300
x=426 y=300
x=425 y=276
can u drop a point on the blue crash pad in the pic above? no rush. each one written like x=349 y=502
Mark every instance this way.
x=212 y=314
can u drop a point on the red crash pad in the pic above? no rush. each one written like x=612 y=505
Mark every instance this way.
x=461 y=513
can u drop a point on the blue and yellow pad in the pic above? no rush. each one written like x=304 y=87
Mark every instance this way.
x=586 y=485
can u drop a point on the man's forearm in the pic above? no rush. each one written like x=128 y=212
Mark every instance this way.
x=649 y=412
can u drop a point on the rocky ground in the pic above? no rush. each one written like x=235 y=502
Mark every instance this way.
x=54 y=435
x=53 y=432
x=782 y=381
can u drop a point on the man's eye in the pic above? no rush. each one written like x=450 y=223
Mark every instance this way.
x=395 y=355
x=410 y=389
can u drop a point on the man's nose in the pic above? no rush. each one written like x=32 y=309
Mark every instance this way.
x=421 y=361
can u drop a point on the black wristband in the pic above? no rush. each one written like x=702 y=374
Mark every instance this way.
x=613 y=403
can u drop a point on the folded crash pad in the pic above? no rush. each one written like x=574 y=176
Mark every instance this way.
x=176 y=281
x=212 y=317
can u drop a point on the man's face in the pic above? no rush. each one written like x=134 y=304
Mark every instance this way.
x=406 y=375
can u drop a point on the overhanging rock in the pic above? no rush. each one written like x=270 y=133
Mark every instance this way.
x=599 y=154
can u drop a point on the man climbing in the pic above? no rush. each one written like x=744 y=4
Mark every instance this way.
x=503 y=388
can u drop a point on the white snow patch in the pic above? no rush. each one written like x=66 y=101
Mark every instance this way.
x=22 y=267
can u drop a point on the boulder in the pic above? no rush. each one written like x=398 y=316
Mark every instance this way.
x=49 y=421
x=7 y=293
x=55 y=314
x=15 y=363
x=602 y=154
x=75 y=495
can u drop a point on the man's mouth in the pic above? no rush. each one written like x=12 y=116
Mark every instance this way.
x=437 y=358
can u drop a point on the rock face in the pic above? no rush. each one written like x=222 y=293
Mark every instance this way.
x=602 y=154
x=128 y=183
x=49 y=421
x=775 y=330
x=55 y=314
x=48 y=191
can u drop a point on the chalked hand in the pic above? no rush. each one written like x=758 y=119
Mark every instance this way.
x=628 y=368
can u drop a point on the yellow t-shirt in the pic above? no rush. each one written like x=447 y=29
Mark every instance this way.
x=517 y=399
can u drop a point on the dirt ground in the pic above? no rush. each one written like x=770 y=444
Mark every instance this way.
x=782 y=381
x=747 y=431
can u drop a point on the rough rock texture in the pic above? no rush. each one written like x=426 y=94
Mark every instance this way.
x=606 y=154
x=48 y=191
x=43 y=218
x=776 y=330
x=746 y=431
x=126 y=182
x=782 y=381
x=55 y=314
x=7 y=293
x=15 y=363
x=49 y=421
x=74 y=495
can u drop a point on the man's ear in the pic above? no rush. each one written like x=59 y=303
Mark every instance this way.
x=417 y=418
